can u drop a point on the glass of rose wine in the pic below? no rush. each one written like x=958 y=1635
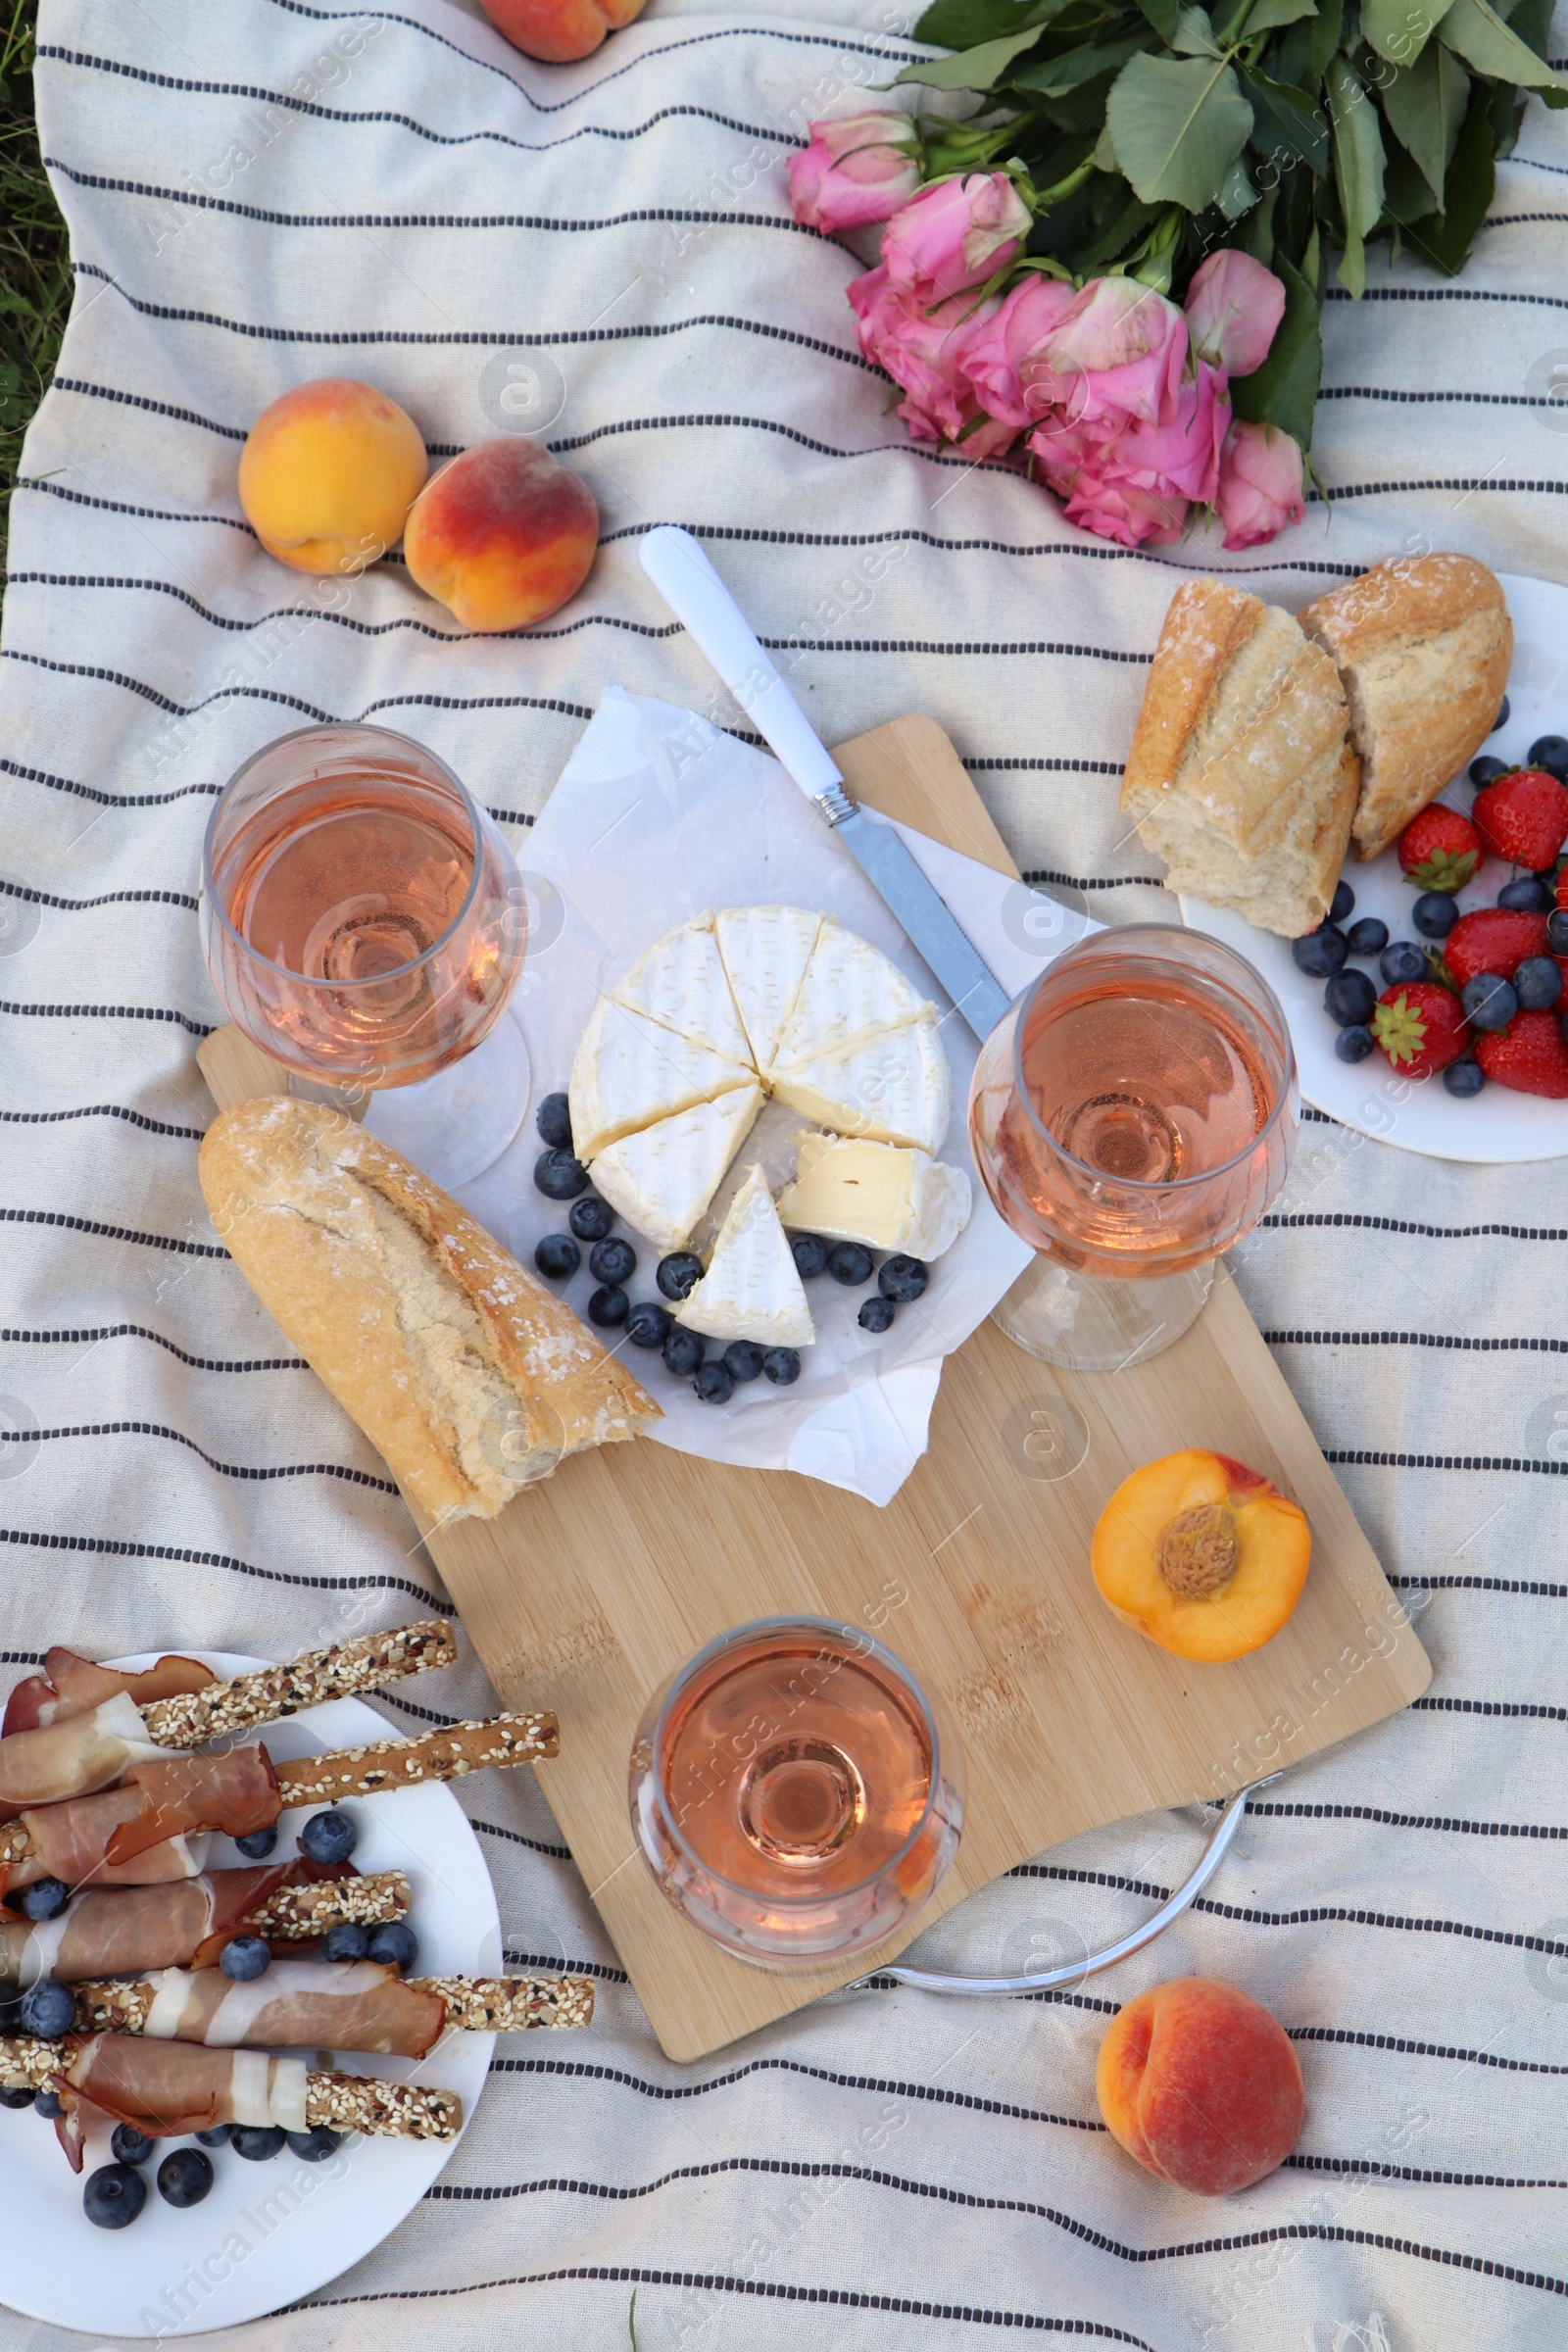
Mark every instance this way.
x=794 y=1792
x=364 y=922
x=1132 y=1117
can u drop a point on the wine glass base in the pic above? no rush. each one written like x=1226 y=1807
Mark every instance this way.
x=1085 y=1323
x=457 y=1124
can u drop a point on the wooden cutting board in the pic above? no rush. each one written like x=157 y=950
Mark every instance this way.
x=591 y=1588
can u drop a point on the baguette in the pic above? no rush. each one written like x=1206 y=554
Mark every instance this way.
x=461 y=1368
x=1240 y=775
x=1424 y=646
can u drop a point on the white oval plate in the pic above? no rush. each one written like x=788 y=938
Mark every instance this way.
x=272 y=2233
x=1496 y=1125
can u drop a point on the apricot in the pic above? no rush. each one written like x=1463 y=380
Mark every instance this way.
x=502 y=535
x=560 y=31
x=328 y=473
x=1200 y=2083
x=1203 y=1555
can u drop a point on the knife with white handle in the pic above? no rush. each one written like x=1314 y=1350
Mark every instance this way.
x=694 y=592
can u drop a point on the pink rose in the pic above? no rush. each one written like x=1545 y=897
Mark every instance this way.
x=1004 y=338
x=1234 y=306
x=924 y=354
x=1134 y=481
x=1260 y=480
x=1182 y=458
x=953 y=236
x=855 y=170
x=1116 y=354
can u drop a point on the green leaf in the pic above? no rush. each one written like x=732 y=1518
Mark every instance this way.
x=1284 y=390
x=1357 y=167
x=1444 y=239
x=1237 y=194
x=1195 y=34
x=962 y=23
x=1268 y=15
x=1129 y=223
x=1075 y=65
x=1479 y=36
x=1287 y=127
x=1163 y=15
x=973 y=69
x=1326 y=35
x=1530 y=20
x=1178 y=125
x=1425 y=107
x=1399 y=30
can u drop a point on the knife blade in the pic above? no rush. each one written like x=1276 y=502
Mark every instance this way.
x=680 y=571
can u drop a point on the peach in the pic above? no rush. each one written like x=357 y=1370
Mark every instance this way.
x=560 y=31
x=328 y=473
x=502 y=535
x=1200 y=2083
x=1203 y=1555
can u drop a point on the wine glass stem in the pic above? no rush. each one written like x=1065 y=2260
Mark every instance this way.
x=1086 y=1323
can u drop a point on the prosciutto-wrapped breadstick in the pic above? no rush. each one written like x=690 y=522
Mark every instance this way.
x=162 y=1799
x=113 y=1931
x=329 y=2005
x=72 y=1750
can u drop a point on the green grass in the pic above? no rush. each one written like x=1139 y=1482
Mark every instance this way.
x=35 y=261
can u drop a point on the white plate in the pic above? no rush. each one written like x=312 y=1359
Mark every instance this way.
x=1418 y=1115
x=268 y=2233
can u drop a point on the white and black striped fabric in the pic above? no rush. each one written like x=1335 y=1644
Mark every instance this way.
x=271 y=191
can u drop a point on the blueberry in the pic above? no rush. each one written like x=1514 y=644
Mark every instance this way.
x=591 y=1218
x=345 y=1941
x=329 y=1836
x=1501 y=719
x=1401 y=963
x=218 y=2138
x=1464 y=1078
x=244 y=1958
x=714 y=1383
x=1321 y=953
x=317 y=2145
x=1489 y=1002
x=1527 y=894
x=877 y=1313
x=902 y=1279
x=1343 y=904
x=678 y=1274
x=395 y=1945
x=683 y=1351
x=47 y=2103
x=258 y=1843
x=185 y=2177
x=648 y=1324
x=609 y=1306
x=48 y=2009
x=557 y=1257
x=558 y=1176
x=1353 y=1044
x=1557 y=930
x=131 y=2146
x=114 y=2196
x=742 y=1359
x=782 y=1366
x=613 y=1261
x=45 y=1898
x=1486 y=771
x=1349 y=999
x=1537 y=984
x=810 y=1253
x=14 y=2094
x=1368 y=937
x=850 y=1264
x=552 y=1119
x=258 y=2143
x=1550 y=752
x=1434 y=914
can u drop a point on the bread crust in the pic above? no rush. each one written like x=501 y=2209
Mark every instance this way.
x=294 y=1190
x=1206 y=626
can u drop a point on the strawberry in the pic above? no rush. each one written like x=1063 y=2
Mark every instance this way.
x=1529 y=1056
x=1523 y=817
x=1438 y=849
x=1494 y=939
x=1562 y=887
x=1421 y=1028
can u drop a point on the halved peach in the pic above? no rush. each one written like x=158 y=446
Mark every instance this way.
x=1203 y=1555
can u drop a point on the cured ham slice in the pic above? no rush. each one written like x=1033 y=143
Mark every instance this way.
x=71 y=1686
x=305 y=2004
x=129 y=1931
x=74 y=1757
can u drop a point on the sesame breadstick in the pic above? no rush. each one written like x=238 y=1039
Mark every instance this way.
x=343 y=1671
x=444 y=1755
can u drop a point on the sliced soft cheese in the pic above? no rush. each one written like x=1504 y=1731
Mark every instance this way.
x=885 y=1195
x=750 y=1289
x=629 y=1072
x=680 y=982
x=766 y=952
x=893 y=1090
x=662 y=1178
x=850 y=992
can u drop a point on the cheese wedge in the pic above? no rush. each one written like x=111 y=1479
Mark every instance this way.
x=663 y=1178
x=680 y=982
x=750 y=1289
x=893 y=1089
x=885 y=1195
x=766 y=952
x=630 y=1072
x=850 y=992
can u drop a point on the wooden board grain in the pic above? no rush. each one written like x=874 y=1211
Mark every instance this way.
x=594 y=1585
